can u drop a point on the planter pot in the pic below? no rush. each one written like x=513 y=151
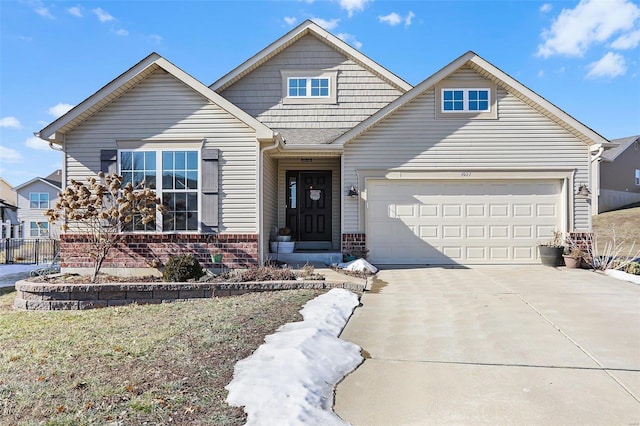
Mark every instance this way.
x=283 y=238
x=551 y=256
x=570 y=262
x=282 y=246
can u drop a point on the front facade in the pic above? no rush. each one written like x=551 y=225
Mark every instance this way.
x=309 y=134
x=618 y=175
x=35 y=197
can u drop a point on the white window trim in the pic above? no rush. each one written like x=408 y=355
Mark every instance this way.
x=638 y=177
x=158 y=189
x=308 y=87
x=465 y=100
x=40 y=193
x=330 y=75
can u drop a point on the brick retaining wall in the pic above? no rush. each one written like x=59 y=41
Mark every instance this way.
x=54 y=297
x=355 y=245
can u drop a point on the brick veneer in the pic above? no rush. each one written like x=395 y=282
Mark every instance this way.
x=141 y=250
x=354 y=244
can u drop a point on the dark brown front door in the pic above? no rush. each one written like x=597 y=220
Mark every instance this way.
x=309 y=205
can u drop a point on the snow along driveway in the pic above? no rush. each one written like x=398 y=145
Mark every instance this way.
x=289 y=380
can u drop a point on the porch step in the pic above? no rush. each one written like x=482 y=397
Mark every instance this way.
x=299 y=258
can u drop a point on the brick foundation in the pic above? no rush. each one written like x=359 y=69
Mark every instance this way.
x=583 y=240
x=354 y=245
x=150 y=250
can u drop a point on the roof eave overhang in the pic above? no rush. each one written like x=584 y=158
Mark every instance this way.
x=55 y=131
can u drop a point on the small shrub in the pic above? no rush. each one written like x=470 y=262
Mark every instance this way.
x=182 y=267
x=633 y=268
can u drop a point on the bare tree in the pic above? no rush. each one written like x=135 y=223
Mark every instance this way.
x=102 y=210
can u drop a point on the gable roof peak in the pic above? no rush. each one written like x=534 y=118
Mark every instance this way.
x=308 y=27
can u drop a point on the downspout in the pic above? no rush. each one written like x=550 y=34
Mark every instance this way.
x=261 y=232
x=594 y=171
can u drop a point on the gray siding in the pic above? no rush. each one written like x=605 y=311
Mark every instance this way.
x=413 y=139
x=332 y=164
x=360 y=92
x=28 y=215
x=163 y=109
x=270 y=199
x=619 y=175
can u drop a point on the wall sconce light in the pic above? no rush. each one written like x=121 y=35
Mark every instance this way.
x=353 y=192
x=583 y=191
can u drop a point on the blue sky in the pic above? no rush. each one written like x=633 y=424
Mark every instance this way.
x=583 y=56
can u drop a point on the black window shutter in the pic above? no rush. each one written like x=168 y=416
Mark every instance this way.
x=209 y=208
x=108 y=161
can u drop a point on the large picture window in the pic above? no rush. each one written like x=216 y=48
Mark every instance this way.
x=177 y=187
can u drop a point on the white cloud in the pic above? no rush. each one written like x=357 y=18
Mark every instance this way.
x=102 y=15
x=546 y=8
x=43 y=11
x=59 y=109
x=290 y=20
x=591 y=21
x=627 y=41
x=541 y=73
x=327 y=25
x=122 y=32
x=409 y=18
x=36 y=143
x=392 y=19
x=351 y=39
x=9 y=155
x=352 y=6
x=75 y=11
x=11 y=122
x=610 y=65
x=155 y=38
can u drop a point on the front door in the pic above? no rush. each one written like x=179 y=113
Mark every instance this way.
x=309 y=205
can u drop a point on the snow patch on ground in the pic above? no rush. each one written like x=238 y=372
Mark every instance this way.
x=9 y=274
x=621 y=275
x=289 y=380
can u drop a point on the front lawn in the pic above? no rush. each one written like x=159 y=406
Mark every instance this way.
x=155 y=364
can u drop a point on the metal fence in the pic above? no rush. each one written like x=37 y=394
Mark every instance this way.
x=14 y=250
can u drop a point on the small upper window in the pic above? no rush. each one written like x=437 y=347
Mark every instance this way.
x=637 y=177
x=39 y=200
x=465 y=100
x=308 y=87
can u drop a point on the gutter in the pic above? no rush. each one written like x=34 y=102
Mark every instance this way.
x=261 y=233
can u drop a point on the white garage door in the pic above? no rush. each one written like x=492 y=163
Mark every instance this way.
x=470 y=222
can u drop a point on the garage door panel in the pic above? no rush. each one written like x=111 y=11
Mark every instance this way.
x=422 y=222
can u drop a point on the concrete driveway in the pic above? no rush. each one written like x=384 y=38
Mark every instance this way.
x=495 y=345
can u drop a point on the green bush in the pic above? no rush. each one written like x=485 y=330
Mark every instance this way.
x=182 y=267
x=633 y=268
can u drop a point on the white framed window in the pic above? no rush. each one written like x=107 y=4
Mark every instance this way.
x=38 y=200
x=466 y=100
x=309 y=86
x=38 y=229
x=177 y=186
x=638 y=177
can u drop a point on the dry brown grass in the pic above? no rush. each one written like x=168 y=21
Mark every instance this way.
x=154 y=364
x=624 y=224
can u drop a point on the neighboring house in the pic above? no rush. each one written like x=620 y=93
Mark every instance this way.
x=34 y=198
x=617 y=175
x=469 y=166
x=6 y=192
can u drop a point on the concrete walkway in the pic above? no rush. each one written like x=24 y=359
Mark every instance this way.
x=495 y=345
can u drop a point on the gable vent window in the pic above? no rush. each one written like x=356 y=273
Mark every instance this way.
x=313 y=87
x=465 y=100
x=309 y=87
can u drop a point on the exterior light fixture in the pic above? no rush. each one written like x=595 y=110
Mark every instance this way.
x=583 y=191
x=353 y=192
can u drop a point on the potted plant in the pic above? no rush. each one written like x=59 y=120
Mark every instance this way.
x=284 y=234
x=551 y=252
x=573 y=259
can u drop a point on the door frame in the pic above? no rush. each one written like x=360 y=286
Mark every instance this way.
x=292 y=214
